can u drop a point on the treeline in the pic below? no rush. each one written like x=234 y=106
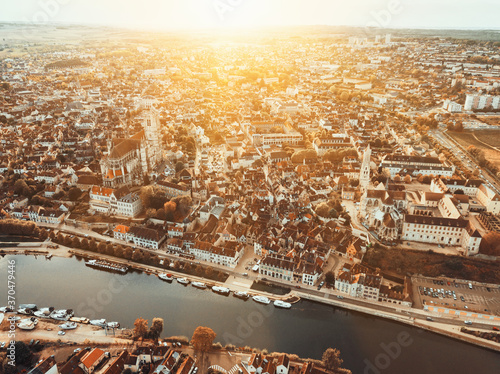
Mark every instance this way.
x=482 y=334
x=66 y=64
x=138 y=255
x=18 y=227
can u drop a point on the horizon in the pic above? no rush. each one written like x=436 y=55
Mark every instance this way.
x=168 y=15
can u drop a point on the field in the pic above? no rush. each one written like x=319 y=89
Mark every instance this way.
x=486 y=140
x=409 y=262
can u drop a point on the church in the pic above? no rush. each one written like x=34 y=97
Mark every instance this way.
x=130 y=159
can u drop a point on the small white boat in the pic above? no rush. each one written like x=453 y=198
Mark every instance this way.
x=199 y=285
x=113 y=325
x=6 y=309
x=68 y=326
x=221 y=290
x=261 y=299
x=183 y=280
x=282 y=304
x=98 y=322
x=13 y=318
x=241 y=295
x=44 y=312
x=166 y=277
x=27 y=324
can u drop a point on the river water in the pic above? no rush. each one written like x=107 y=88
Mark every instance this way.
x=367 y=344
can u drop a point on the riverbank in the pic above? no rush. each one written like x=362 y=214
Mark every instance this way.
x=432 y=326
x=449 y=327
x=47 y=331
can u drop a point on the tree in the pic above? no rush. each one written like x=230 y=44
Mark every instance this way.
x=490 y=245
x=74 y=193
x=331 y=359
x=156 y=328
x=140 y=328
x=323 y=210
x=202 y=339
x=75 y=243
x=407 y=179
x=23 y=354
x=101 y=248
x=179 y=166
x=330 y=277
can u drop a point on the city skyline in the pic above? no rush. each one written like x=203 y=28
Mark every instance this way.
x=223 y=14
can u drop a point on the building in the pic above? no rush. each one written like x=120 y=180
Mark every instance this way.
x=364 y=173
x=47 y=366
x=130 y=159
x=440 y=230
x=482 y=102
x=489 y=198
x=277 y=266
x=402 y=165
x=227 y=254
x=91 y=360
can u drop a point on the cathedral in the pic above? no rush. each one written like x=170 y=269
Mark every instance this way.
x=130 y=159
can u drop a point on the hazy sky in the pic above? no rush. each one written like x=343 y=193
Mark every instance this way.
x=174 y=14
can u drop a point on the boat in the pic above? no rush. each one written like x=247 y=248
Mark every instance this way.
x=61 y=314
x=282 y=304
x=221 y=290
x=26 y=311
x=261 y=299
x=98 y=322
x=199 y=285
x=107 y=265
x=183 y=281
x=28 y=306
x=28 y=324
x=68 y=326
x=241 y=295
x=48 y=257
x=6 y=309
x=79 y=320
x=112 y=325
x=44 y=312
x=13 y=318
x=166 y=277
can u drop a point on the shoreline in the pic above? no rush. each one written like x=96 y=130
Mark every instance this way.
x=451 y=331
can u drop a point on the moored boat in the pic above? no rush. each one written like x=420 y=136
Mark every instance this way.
x=221 y=290
x=61 y=314
x=241 y=295
x=199 y=285
x=44 y=312
x=68 y=326
x=166 y=277
x=27 y=324
x=112 y=325
x=98 y=322
x=282 y=304
x=183 y=281
x=107 y=265
x=261 y=299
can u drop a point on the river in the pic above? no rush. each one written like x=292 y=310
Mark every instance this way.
x=367 y=344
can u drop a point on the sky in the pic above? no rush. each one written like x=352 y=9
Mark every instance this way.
x=201 y=14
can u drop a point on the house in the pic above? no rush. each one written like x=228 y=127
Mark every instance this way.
x=47 y=366
x=145 y=237
x=120 y=232
x=117 y=364
x=91 y=359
